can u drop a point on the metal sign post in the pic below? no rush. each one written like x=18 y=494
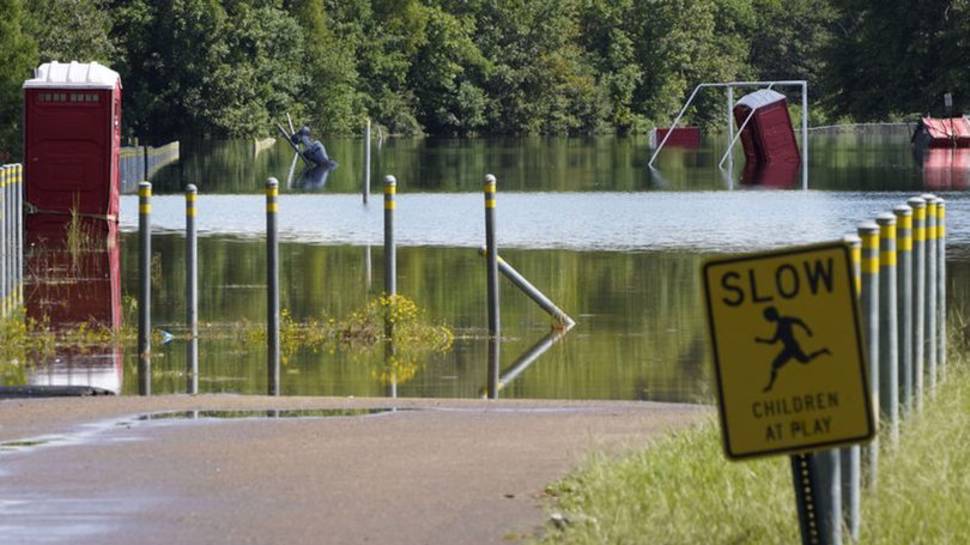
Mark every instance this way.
x=791 y=368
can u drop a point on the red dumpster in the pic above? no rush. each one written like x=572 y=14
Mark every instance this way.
x=768 y=136
x=72 y=139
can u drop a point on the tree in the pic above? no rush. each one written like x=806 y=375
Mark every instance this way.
x=73 y=30
x=19 y=54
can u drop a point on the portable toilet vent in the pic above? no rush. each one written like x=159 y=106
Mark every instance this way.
x=72 y=139
x=768 y=137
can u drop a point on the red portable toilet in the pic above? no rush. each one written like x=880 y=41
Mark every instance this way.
x=768 y=136
x=72 y=139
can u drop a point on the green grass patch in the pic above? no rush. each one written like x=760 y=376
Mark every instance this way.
x=682 y=490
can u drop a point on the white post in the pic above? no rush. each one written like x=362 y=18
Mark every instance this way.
x=805 y=135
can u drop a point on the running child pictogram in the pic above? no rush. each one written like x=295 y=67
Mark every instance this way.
x=785 y=334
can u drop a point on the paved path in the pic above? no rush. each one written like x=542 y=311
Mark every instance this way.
x=449 y=472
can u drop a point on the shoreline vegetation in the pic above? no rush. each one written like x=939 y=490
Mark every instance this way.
x=227 y=69
x=681 y=489
x=25 y=340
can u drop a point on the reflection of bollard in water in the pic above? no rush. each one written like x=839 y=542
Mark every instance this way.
x=929 y=298
x=851 y=456
x=191 y=290
x=272 y=288
x=869 y=298
x=144 y=288
x=904 y=306
x=888 y=357
x=919 y=295
x=941 y=287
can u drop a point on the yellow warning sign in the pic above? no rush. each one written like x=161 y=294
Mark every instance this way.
x=788 y=350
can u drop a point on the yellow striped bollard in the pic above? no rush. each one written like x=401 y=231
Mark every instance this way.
x=869 y=299
x=491 y=260
x=929 y=298
x=144 y=288
x=904 y=305
x=851 y=456
x=888 y=342
x=192 y=290
x=390 y=250
x=941 y=285
x=272 y=287
x=919 y=295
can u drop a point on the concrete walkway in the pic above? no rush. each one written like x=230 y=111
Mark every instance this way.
x=434 y=471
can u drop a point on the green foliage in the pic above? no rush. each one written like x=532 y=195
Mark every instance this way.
x=225 y=68
x=72 y=30
x=18 y=51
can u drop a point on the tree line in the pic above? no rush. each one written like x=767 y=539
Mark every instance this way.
x=229 y=68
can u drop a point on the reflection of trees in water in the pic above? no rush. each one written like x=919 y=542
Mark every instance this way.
x=641 y=333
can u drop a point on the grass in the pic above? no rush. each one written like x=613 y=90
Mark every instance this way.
x=681 y=489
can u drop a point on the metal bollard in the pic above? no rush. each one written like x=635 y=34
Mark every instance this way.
x=192 y=290
x=888 y=341
x=904 y=305
x=929 y=299
x=272 y=288
x=366 y=181
x=491 y=258
x=919 y=294
x=390 y=251
x=851 y=457
x=941 y=287
x=19 y=215
x=869 y=305
x=4 y=246
x=144 y=288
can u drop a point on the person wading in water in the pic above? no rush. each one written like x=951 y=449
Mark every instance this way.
x=785 y=333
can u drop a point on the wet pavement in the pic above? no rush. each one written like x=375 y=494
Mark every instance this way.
x=230 y=469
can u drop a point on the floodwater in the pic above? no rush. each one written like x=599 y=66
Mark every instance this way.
x=616 y=245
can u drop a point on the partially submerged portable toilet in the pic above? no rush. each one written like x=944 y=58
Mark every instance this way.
x=72 y=139
x=768 y=135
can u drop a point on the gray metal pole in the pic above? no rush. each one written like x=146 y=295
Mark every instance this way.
x=919 y=295
x=805 y=135
x=144 y=288
x=491 y=258
x=19 y=212
x=851 y=457
x=390 y=251
x=730 y=127
x=192 y=290
x=888 y=341
x=869 y=233
x=494 y=359
x=533 y=292
x=4 y=245
x=818 y=523
x=941 y=286
x=272 y=288
x=904 y=305
x=366 y=181
x=929 y=299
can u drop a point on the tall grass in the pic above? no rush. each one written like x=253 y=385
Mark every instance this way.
x=681 y=489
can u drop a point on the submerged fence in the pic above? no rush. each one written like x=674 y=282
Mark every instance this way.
x=138 y=163
x=11 y=238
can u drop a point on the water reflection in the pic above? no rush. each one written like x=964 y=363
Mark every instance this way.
x=946 y=169
x=854 y=159
x=74 y=279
